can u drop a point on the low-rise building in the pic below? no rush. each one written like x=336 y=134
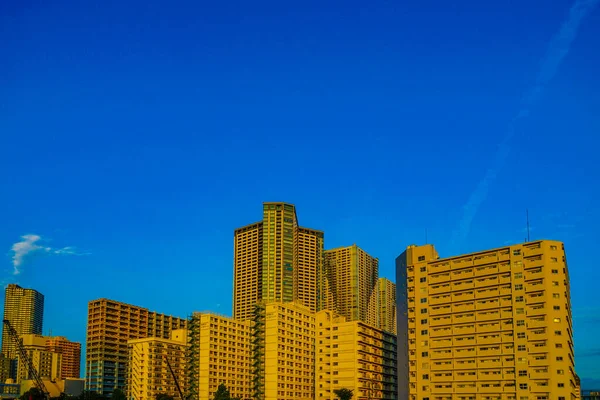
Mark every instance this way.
x=47 y=363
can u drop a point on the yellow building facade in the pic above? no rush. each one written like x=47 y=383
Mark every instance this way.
x=110 y=325
x=218 y=353
x=489 y=325
x=24 y=308
x=352 y=276
x=386 y=305
x=71 y=355
x=276 y=260
x=284 y=353
x=148 y=373
x=46 y=362
x=355 y=356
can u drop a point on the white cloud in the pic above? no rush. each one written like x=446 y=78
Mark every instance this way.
x=31 y=244
x=557 y=50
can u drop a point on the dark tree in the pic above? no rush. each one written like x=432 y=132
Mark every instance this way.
x=164 y=396
x=118 y=395
x=222 y=393
x=343 y=394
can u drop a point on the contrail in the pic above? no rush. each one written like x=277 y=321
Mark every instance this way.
x=558 y=48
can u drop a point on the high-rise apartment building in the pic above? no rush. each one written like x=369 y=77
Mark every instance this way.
x=353 y=355
x=494 y=324
x=110 y=325
x=283 y=352
x=47 y=363
x=276 y=260
x=218 y=353
x=148 y=372
x=71 y=355
x=352 y=282
x=386 y=300
x=24 y=308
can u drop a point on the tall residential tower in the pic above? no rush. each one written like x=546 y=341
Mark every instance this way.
x=276 y=260
x=24 y=308
x=352 y=276
x=495 y=323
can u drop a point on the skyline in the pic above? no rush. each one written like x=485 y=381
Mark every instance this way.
x=137 y=138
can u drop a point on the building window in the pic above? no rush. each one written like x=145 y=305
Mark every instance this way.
x=521 y=347
x=423 y=321
x=424 y=354
x=424 y=300
x=520 y=322
x=523 y=372
x=555 y=271
x=519 y=287
x=421 y=258
x=522 y=386
x=520 y=311
x=555 y=295
x=556 y=307
x=424 y=332
x=561 y=385
x=560 y=372
x=425 y=376
x=423 y=269
x=521 y=335
x=557 y=333
x=423 y=279
x=519 y=299
x=557 y=320
x=558 y=345
x=423 y=311
x=518 y=275
x=559 y=358
x=516 y=252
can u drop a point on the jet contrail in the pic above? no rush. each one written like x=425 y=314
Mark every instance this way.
x=558 y=48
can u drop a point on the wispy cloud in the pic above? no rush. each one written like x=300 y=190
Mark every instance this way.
x=557 y=49
x=31 y=244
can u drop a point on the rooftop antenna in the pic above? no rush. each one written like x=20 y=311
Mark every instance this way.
x=527 y=214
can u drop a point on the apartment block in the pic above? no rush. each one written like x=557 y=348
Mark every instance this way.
x=386 y=304
x=218 y=352
x=148 y=368
x=283 y=352
x=276 y=260
x=352 y=284
x=71 y=355
x=111 y=324
x=494 y=324
x=46 y=362
x=355 y=356
x=24 y=308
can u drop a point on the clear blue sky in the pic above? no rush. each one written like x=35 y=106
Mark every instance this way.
x=144 y=133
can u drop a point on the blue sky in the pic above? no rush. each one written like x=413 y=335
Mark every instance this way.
x=139 y=135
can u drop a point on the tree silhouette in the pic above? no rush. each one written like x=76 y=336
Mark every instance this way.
x=164 y=396
x=343 y=394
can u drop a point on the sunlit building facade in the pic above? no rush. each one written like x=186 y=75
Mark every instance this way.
x=353 y=355
x=24 y=308
x=47 y=363
x=148 y=369
x=71 y=355
x=489 y=325
x=386 y=303
x=276 y=260
x=352 y=276
x=111 y=324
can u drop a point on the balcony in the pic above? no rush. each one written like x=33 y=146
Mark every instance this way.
x=439 y=278
x=492 y=362
x=439 y=299
x=488 y=327
x=463 y=319
x=537 y=322
x=468 y=376
x=505 y=279
x=489 y=339
x=441 y=288
x=487 y=304
x=504 y=267
x=463 y=296
x=486 y=270
x=539 y=373
x=463 y=307
x=538 y=361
